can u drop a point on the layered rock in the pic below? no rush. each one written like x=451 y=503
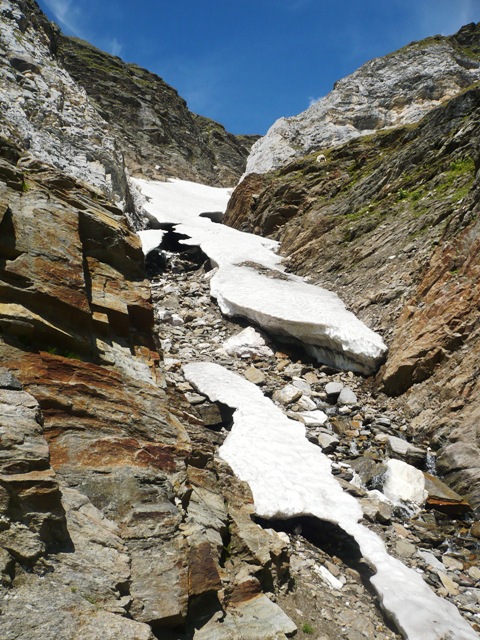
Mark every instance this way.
x=390 y=223
x=115 y=513
x=44 y=109
x=397 y=89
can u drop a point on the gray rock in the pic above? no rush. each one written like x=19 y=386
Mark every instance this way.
x=328 y=442
x=315 y=418
x=347 y=396
x=406 y=451
x=405 y=549
x=376 y=87
x=194 y=398
x=256 y=619
x=210 y=414
x=333 y=389
x=24 y=545
x=431 y=560
x=306 y=404
x=287 y=394
x=302 y=384
x=8 y=380
x=376 y=508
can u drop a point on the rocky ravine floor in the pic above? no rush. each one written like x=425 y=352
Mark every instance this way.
x=328 y=595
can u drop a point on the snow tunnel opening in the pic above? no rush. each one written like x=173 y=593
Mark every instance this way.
x=217 y=417
x=336 y=543
x=175 y=256
x=329 y=538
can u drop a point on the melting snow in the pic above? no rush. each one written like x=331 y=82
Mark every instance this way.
x=283 y=304
x=291 y=477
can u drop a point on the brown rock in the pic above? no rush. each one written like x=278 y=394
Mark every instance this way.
x=203 y=575
x=444 y=499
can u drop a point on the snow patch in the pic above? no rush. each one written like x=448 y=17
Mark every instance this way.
x=250 y=281
x=246 y=344
x=293 y=309
x=404 y=484
x=290 y=477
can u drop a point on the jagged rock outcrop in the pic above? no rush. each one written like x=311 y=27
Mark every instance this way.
x=45 y=110
x=397 y=89
x=96 y=118
x=159 y=136
x=389 y=222
x=114 y=511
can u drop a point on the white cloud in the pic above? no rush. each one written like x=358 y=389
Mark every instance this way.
x=115 y=47
x=65 y=14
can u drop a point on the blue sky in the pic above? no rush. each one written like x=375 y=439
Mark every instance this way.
x=245 y=63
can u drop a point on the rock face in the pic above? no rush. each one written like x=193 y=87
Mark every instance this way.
x=117 y=518
x=397 y=89
x=390 y=222
x=114 y=512
x=158 y=135
x=45 y=110
x=93 y=116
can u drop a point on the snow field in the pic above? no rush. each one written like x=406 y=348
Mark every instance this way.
x=290 y=477
x=281 y=303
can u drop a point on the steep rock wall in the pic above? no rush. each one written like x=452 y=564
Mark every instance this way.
x=159 y=136
x=389 y=222
x=114 y=511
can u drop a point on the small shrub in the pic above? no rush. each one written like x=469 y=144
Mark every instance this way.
x=307 y=628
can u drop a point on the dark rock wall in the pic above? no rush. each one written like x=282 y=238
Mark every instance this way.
x=158 y=134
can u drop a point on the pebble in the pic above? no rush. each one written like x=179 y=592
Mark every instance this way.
x=452 y=563
x=448 y=583
x=475 y=529
x=333 y=389
x=287 y=394
x=474 y=572
x=405 y=549
x=252 y=374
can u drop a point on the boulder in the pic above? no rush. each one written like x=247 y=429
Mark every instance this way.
x=404 y=484
x=404 y=450
x=442 y=498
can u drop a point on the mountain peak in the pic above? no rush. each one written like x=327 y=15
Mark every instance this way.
x=399 y=88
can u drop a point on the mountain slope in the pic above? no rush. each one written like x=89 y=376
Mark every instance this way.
x=390 y=222
x=97 y=118
x=396 y=89
x=159 y=136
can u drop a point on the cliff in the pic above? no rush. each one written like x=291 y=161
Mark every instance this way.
x=114 y=511
x=99 y=119
x=390 y=222
x=158 y=135
x=117 y=517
